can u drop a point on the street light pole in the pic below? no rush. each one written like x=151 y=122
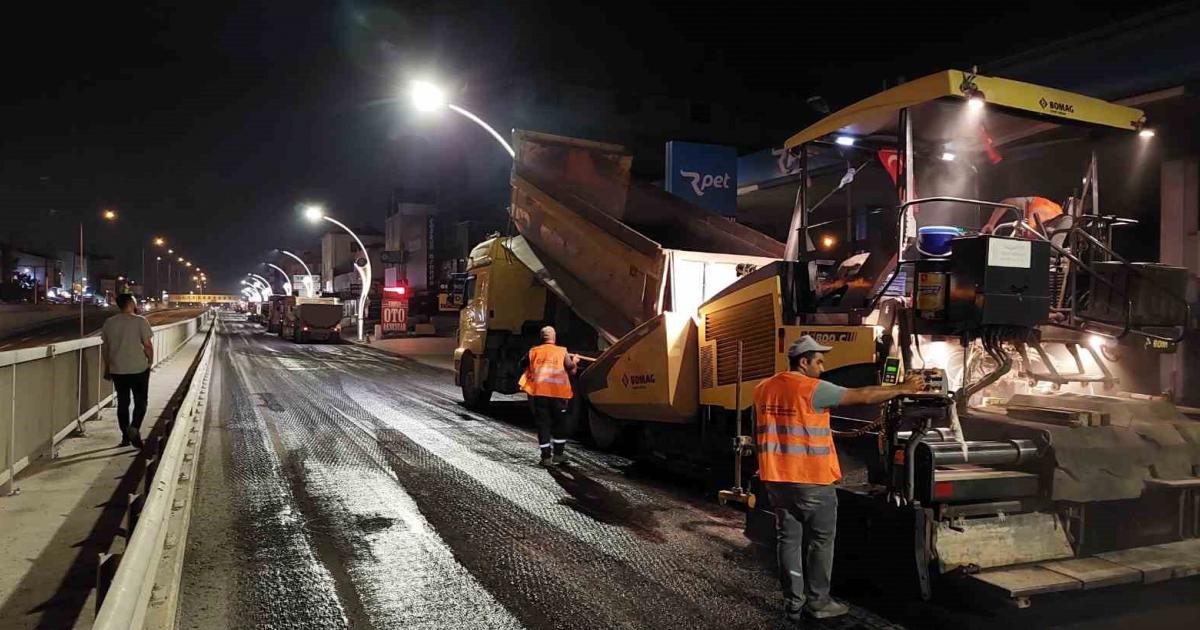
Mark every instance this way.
x=263 y=280
x=287 y=284
x=428 y=97
x=307 y=272
x=315 y=213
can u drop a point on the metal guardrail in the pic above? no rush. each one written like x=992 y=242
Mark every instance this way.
x=129 y=600
x=48 y=392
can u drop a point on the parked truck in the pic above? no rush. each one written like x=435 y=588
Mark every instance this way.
x=307 y=319
x=1023 y=469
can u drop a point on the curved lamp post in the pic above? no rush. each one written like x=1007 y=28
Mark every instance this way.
x=308 y=285
x=315 y=214
x=260 y=283
x=427 y=97
x=287 y=284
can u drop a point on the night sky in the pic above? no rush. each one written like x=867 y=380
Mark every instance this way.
x=208 y=122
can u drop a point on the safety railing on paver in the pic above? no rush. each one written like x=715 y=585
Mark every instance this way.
x=48 y=392
x=137 y=589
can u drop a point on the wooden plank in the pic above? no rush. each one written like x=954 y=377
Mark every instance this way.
x=1192 y=482
x=1095 y=572
x=1027 y=580
x=1155 y=563
x=1186 y=554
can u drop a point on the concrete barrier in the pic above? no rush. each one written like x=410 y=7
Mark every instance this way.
x=48 y=392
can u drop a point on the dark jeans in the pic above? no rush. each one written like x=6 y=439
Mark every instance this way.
x=138 y=385
x=806 y=524
x=550 y=418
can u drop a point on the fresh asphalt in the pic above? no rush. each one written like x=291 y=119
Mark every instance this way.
x=345 y=487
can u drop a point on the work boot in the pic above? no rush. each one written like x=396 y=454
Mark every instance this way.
x=547 y=462
x=793 y=610
x=135 y=438
x=559 y=458
x=827 y=609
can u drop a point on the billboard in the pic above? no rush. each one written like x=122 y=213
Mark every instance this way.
x=704 y=174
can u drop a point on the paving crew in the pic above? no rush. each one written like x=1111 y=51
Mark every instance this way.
x=798 y=465
x=547 y=381
x=1036 y=212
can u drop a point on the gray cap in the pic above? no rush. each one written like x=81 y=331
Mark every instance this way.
x=806 y=344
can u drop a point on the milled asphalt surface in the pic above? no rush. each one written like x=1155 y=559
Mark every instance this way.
x=344 y=487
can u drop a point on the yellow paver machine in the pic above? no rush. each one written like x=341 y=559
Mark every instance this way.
x=1025 y=469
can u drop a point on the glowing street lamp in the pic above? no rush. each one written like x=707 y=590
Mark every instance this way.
x=316 y=213
x=427 y=97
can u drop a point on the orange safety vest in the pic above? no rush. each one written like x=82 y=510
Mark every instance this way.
x=546 y=374
x=795 y=443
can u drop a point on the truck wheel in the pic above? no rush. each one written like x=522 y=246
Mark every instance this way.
x=474 y=396
x=606 y=432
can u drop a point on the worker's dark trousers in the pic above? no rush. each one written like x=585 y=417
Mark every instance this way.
x=550 y=418
x=137 y=385
x=806 y=524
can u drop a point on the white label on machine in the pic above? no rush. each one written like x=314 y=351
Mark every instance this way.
x=1004 y=252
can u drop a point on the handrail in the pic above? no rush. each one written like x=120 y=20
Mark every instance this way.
x=1187 y=308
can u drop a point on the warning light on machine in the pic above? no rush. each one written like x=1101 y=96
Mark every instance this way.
x=396 y=290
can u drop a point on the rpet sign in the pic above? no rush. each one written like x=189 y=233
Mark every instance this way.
x=703 y=174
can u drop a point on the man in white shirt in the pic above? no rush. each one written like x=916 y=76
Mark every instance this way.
x=128 y=350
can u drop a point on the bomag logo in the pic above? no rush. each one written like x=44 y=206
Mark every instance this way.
x=636 y=381
x=827 y=336
x=1056 y=107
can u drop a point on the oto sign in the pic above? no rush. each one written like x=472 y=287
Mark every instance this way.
x=393 y=315
x=704 y=174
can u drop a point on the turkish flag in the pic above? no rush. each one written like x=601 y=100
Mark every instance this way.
x=890 y=159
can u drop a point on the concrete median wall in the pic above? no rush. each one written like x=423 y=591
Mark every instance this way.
x=49 y=391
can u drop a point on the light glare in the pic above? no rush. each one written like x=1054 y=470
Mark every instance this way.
x=427 y=97
x=846 y=141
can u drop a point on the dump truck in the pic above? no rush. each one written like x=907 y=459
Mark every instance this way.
x=273 y=310
x=311 y=319
x=598 y=257
x=1025 y=468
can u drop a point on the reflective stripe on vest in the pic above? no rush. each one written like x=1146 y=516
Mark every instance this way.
x=546 y=374
x=795 y=443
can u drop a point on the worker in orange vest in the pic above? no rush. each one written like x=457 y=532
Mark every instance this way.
x=1036 y=212
x=798 y=465
x=547 y=381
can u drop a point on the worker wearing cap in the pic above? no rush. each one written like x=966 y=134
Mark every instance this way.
x=547 y=381
x=1035 y=211
x=798 y=465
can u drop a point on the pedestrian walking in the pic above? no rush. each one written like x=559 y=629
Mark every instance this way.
x=798 y=465
x=547 y=382
x=128 y=350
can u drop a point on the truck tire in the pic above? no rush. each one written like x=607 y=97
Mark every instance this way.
x=607 y=433
x=474 y=397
